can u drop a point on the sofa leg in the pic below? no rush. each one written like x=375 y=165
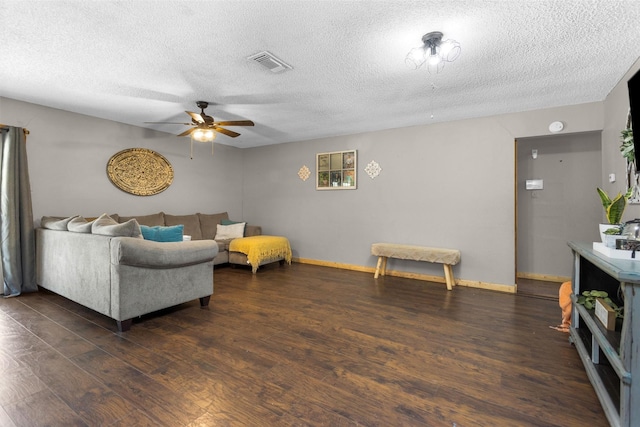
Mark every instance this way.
x=204 y=301
x=124 y=325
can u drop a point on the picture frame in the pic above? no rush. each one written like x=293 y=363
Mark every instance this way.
x=336 y=170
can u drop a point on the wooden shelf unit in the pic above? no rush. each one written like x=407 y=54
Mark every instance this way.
x=610 y=358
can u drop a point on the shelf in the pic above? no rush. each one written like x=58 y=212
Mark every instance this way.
x=600 y=380
x=610 y=358
x=609 y=341
x=606 y=374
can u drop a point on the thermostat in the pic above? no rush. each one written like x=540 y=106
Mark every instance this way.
x=534 y=184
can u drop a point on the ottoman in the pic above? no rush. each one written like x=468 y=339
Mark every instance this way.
x=259 y=250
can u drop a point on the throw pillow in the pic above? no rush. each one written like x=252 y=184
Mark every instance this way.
x=209 y=222
x=230 y=222
x=55 y=223
x=163 y=234
x=79 y=225
x=233 y=231
x=106 y=226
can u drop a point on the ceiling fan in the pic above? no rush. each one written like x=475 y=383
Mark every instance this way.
x=204 y=126
x=202 y=121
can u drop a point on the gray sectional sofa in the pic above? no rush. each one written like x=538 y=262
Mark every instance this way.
x=107 y=266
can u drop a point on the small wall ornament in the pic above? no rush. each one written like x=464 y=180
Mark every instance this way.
x=304 y=173
x=373 y=169
x=140 y=171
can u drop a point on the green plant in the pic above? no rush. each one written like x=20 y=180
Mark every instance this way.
x=614 y=231
x=588 y=299
x=627 y=148
x=614 y=208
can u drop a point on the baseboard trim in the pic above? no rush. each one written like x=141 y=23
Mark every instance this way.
x=544 y=277
x=407 y=275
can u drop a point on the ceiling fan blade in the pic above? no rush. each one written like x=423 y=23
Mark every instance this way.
x=170 y=123
x=236 y=123
x=227 y=132
x=195 y=116
x=187 y=132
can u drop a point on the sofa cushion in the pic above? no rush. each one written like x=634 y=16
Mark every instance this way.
x=209 y=223
x=150 y=220
x=148 y=254
x=79 y=225
x=233 y=231
x=191 y=224
x=252 y=230
x=163 y=234
x=55 y=222
x=106 y=226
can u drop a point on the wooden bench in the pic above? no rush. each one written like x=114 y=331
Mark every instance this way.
x=447 y=257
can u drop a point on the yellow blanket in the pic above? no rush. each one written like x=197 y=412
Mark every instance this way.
x=262 y=248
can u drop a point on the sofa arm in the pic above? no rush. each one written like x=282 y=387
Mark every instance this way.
x=252 y=230
x=146 y=253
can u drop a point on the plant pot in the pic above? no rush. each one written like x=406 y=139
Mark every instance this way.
x=603 y=228
x=610 y=240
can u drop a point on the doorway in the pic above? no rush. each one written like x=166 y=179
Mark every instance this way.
x=559 y=205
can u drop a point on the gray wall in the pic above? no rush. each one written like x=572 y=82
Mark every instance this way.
x=68 y=154
x=566 y=209
x=444 y=185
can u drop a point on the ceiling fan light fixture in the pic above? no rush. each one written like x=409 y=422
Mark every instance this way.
x=203 y=135
x=434 y=52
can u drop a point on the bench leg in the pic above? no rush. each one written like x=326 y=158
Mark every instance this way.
x=384 y=265
x=448 y=275
x=375 y=276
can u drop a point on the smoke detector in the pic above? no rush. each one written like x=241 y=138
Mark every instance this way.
x=269 y=61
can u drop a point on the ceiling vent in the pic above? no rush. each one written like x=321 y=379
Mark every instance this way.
x=267 y=60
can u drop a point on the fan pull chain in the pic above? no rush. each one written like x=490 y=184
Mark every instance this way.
x=433 y=91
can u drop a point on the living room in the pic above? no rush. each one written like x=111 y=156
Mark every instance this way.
x=443 y=184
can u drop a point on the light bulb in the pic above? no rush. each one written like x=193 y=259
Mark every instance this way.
x=416 y=57
x=203 y=135
x=434 y=60
x=450 y=50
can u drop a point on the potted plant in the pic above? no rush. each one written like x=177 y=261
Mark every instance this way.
x=613 y=210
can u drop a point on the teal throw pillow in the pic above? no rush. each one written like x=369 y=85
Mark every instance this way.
x=163 y=234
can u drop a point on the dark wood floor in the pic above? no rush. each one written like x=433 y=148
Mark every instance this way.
x=297 y=345
x=539 y=288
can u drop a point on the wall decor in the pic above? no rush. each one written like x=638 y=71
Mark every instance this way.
x=140 y=171
x=304 y=173
x=373 y=169
x=336 y=170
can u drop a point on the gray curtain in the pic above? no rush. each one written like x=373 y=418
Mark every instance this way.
x=17 y=242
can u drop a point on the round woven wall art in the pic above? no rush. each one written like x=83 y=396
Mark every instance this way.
x=140 y=171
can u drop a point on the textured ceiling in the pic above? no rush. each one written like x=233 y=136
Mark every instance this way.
x=137 y=61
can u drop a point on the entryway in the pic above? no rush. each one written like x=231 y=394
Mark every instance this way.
x=561 y=204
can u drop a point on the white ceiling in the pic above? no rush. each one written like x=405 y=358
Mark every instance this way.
x=137 y=61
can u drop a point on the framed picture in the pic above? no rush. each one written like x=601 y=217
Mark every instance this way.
x=336 y=170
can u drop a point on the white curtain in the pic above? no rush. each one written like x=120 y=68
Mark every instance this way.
x=17 y=242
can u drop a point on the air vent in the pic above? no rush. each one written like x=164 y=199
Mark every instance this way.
x=269 y=61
